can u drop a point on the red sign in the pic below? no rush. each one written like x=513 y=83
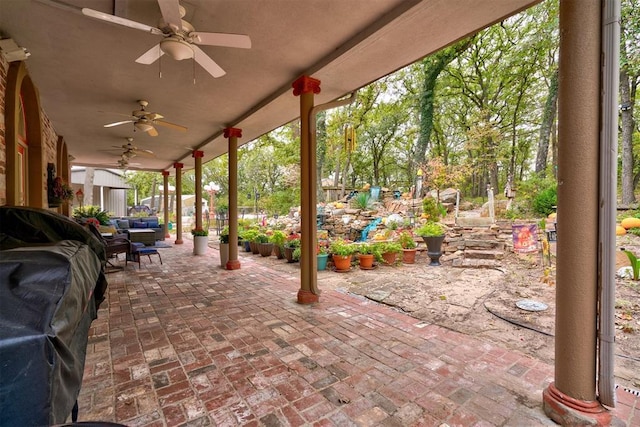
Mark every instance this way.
x=525 y=238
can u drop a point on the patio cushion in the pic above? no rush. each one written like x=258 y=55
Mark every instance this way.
x=123 y=224
x=152 y=223
x=140 y=224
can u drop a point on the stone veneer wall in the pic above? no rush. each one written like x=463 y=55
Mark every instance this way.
x=3 y=145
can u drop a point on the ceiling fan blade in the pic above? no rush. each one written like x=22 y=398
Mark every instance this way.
x=144 y=152
x=120 y=21
x=153 y=116
x=108 y=125
x=222 y=39
x=150 y=56
x=152 y=132
x=207 y=63
x=170 y=10
x=170 y=125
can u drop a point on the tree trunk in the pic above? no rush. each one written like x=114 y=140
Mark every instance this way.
x=548 y=119
x=154 y=184
x=627 y=92
x=432 y=67
x=88 y=186
x=321 y=151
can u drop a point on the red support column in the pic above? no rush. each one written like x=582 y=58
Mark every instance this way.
x=232 y=134
x=178 y=167
x=306 y=87
x=165 y=179
x=198 y=155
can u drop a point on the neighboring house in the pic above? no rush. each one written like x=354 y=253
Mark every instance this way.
x=109 y=189
x=188 y=202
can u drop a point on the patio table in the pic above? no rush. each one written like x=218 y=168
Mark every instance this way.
x=142 y=235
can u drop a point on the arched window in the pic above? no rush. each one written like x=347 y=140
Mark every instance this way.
x=22 y=172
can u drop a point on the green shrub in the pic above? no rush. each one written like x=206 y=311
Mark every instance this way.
x=432 y=209
x=545 y=201
x=362 y=201
x=85 y=212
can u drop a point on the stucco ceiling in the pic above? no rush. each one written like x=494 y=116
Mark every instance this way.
x=86 y=73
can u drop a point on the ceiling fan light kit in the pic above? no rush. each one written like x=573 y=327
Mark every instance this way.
x=145 y=121
x=143 y=125
x=176 y=48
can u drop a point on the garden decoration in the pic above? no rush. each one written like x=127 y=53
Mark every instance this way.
x=433 y=235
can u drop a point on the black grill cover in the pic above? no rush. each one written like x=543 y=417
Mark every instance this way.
x=46 y=308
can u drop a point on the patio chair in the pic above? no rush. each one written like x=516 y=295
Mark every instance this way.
x=113 y=246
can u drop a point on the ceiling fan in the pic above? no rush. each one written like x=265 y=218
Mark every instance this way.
x=180 y=37
x=144 y=120
x=130 y=151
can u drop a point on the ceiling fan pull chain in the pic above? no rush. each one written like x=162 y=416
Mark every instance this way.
x=159 y=62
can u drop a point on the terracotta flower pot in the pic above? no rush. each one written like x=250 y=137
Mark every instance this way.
x=409 y=256
x=389 y=258
x=342 y=262
x=366 y=261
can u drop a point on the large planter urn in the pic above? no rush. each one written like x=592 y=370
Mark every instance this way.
x=265 y=249
x=342 y=262
x=200 y=244
x=224 y=254
x=409 y=256
x=322 y=261
x=434 y=248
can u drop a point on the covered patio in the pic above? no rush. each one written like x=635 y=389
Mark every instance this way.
x=57 y=101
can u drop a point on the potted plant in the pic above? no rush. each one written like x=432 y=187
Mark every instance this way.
x=59 y=192
x=265 y=248
x=323 y=256
x=224 y=246
x=290 y=245
x=409 y=247
x=248 y=236
x=390 y=251
x=433 y=235
x=366 y=255
x=200 y=241
x=278 y=237
x=341 y=253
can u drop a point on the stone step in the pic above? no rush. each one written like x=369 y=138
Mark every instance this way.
x=483 y=244
x=473 y=221
x=475 y=263
x=483 y=254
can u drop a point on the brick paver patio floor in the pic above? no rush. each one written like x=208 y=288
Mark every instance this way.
x=187 y=343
